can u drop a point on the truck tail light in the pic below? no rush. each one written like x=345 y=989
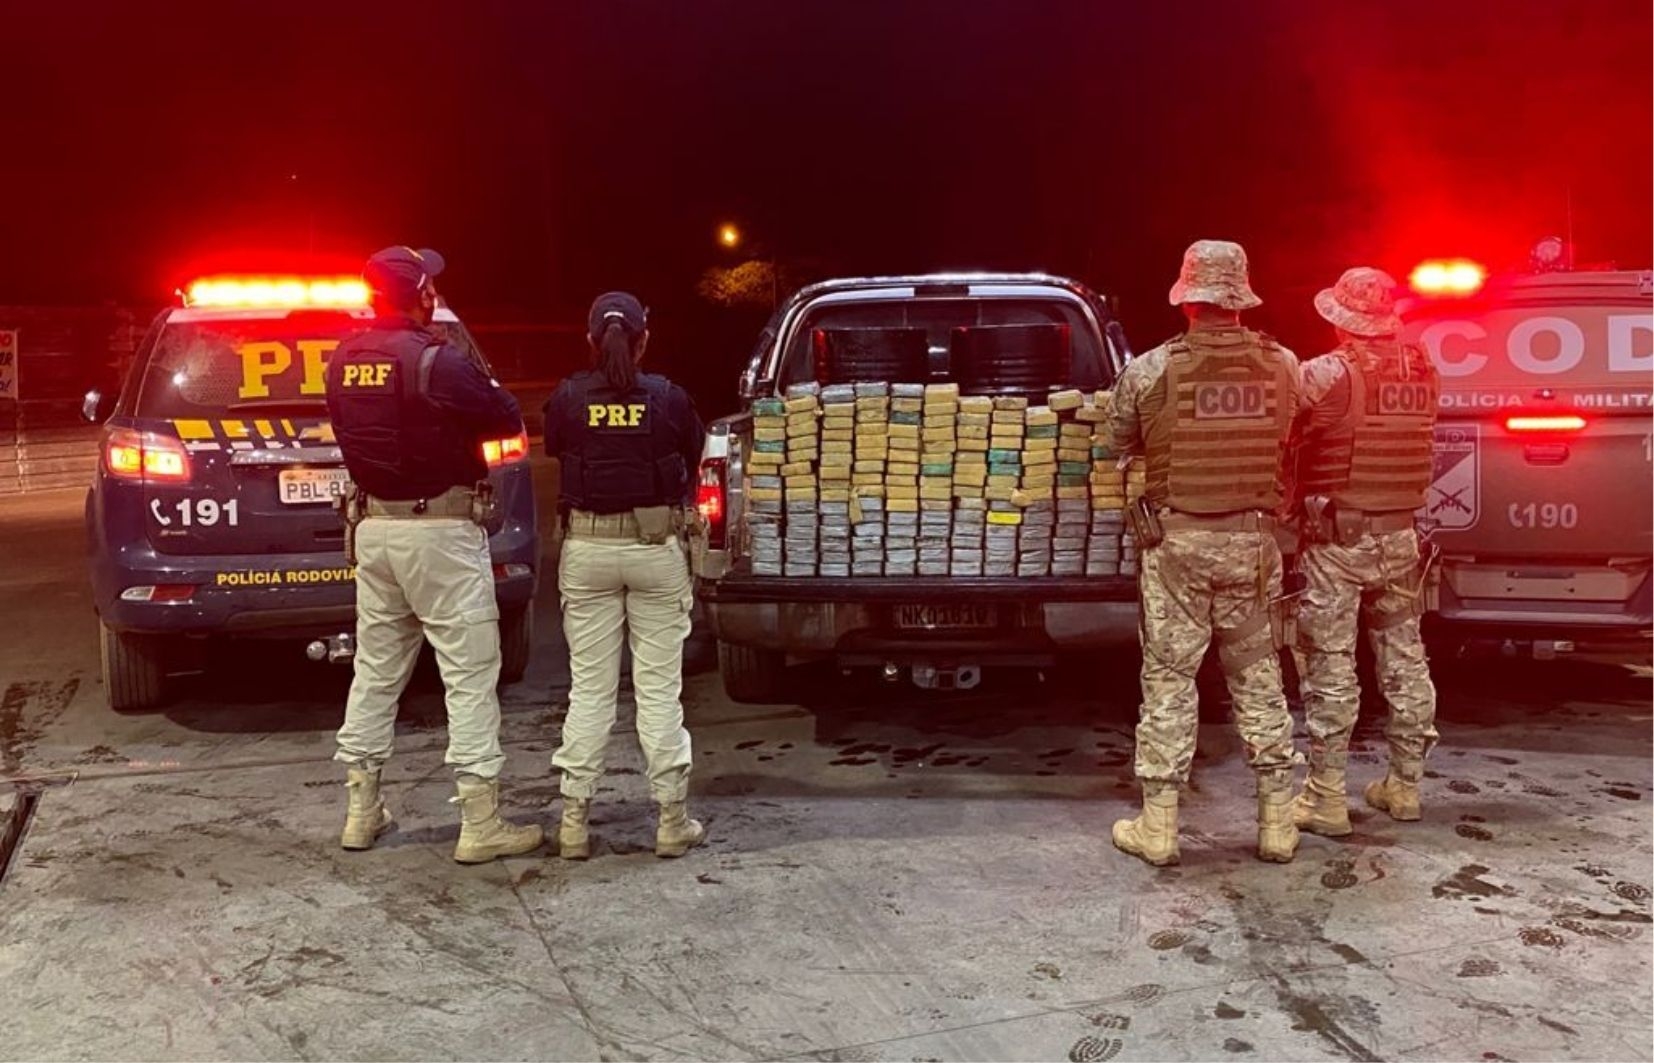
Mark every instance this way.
x=145 y=456
x=1558 y=422
x=710 y=501
x=498 y=452
x=1453 y=277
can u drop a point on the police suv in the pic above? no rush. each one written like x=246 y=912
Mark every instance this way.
x=1541 y=500
x=212 y=509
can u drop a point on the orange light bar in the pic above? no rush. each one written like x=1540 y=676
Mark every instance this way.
x=1565 y=422
x=278 y=292
x=1448 y=277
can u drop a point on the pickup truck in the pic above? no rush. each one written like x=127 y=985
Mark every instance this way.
x=940 y=630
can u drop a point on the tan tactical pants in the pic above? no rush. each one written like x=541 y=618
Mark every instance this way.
x=1196 y=584
x=425 y=580
x=1377 y=579
x=614 y=590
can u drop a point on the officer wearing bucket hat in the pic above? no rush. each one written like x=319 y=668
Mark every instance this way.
x=1209 y=413
x=625 y=441
x=1367 y=430
x=410 y=412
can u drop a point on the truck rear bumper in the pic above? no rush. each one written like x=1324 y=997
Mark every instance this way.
x=852 y=617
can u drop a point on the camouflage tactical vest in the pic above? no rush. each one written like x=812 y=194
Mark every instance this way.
x=1375 y=456
x=1216 y=444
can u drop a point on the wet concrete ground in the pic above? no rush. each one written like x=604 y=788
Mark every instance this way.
x=890 y=876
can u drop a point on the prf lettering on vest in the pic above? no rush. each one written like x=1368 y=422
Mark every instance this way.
x=1396 y=398
x=367 y=374
x=615 y=414
x=1229 y=401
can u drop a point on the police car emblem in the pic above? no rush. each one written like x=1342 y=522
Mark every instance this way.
x=1453 y=502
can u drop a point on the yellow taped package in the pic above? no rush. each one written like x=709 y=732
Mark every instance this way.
x=801 y=494
x=870 y=490
x=1038 y=481
x=935 y=505
x=1066 y=400
x=906 y=444
x=971 y=457
x=795 y=468
x=997 y=494
x=974 y=475
x=800 y=431
x=932 y=481
x=804 y=448
x=1031 y=445
x=902 y=468
x=835 y=493
x=936 y=453
x=869 y=452
x=764 y=494
x=1027 y=496
x=979 y=446
x=901 y=505
x=941 y=410
x=839 y=422
x=835 y=472
x=939 y=434
x=1002 y=481
x=905 y=405
x=974 y=420
x=1000 y=416
x=867 y=479
x=873 y=428
x=770 y=435
x=1074 y=430
x=802 y=404
x=838 y=437
x=902 y=481
x=1078 y=455
x=894 y=491
x=973 y=431
x=1004 y=441
x=1091 y=415
x=997 y=517
x=766 y=459
x=1043 y=416
x=1010 y=402
x=948 y=392
x=1038 y=457
x=972 y=405
x=807 y=479
x=904 y=431
x=837 y=446
x=1107 y=503
x=942 y=491
x=808 y=417
x=967 y=490
x=873 y=465
x=1071 y=493
x=832 y=460
x=873 y=404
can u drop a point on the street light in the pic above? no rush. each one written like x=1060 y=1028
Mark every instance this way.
x=729 y=235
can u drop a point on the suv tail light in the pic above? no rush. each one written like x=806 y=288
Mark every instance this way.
x=498 y=452
x=1556 y=422
x=710 y=501
x=145 y=456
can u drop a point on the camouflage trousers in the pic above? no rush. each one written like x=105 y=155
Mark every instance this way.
x=1196 y=585
x=1376 y=580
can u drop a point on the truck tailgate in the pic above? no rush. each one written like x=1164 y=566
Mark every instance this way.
x=744 y=588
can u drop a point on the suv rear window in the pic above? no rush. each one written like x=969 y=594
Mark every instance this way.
x=208 y=368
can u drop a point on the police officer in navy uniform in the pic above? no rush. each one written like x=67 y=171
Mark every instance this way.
x=626 y=442
x=410 y=412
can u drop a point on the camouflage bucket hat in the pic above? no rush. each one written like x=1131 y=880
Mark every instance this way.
x=1362 y=303
x=1214 y=271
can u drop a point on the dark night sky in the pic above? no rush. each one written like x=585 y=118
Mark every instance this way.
x=552 y=150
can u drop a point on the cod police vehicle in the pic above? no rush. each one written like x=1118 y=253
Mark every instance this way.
x=211 y=513
x=1541 y=501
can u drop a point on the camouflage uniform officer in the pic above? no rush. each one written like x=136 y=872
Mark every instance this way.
x=1210 y=412
x=1368 y=422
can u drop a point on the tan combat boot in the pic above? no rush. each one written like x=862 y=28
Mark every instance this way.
x=366 y=816
x=1277 y=834
x=1152 y=836
x=483 y=835
x=1320 y=807
x=677 y=833
x=573 y=842
x=1396 y=796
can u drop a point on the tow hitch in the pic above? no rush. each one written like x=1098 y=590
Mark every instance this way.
x=334 y=649
x=959 y=677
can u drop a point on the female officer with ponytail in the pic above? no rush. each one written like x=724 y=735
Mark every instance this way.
x=626 y=442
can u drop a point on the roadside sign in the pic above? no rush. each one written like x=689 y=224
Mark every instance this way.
x=8 y=364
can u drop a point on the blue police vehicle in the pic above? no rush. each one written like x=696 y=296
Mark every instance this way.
x=211 y=513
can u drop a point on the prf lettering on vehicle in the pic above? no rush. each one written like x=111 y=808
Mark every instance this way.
x=1224 y=401
x=615 y=414
x=267 y=359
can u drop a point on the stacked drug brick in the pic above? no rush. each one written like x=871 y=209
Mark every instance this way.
x=973 y=424
x=938 y=450
x=836 y=471
x=1037 y=493
x=1107 y=499
x=1073 y=468
x=764 y=484
x=798 y=477
x=1004 y=517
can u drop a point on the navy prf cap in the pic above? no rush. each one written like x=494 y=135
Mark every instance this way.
x=399 y=273
x=617 y=306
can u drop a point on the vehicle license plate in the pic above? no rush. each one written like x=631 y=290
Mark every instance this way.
x=301 y=487
x=937 y=617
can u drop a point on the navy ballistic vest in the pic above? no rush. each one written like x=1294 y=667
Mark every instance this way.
x=621 y=452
